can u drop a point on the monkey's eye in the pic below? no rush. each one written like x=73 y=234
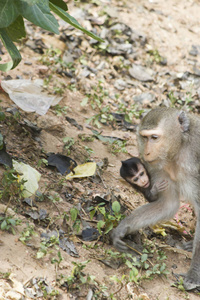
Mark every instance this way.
x=135 y=179
x=154 y=137
x=141 y=174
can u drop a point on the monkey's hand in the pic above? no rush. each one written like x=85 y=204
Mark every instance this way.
x=117 y=235
x=159 y=187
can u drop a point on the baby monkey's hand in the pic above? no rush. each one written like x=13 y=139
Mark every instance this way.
x=159 y=186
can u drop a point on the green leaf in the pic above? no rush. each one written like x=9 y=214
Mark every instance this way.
x=84 y=102
x=102 y=210
x=144 y=257
x=109 y=228
x=12 y=222
x=116 y=207
x=133 y=273
x=40 y=254
x=12 y=50
x=60 y=3
x=3 y=225
x=31 y=2
x=146 y=266
x=8 y=12
x=2 y=116
x=92 y=213
x=39 y=14
x=100 y=224
x=1 y=141
x=16 y=30
x=73 y=213
x=72 y=21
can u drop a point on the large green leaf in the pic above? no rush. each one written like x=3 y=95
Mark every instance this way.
x=31 y=2
x=16 y=30
x=8 y=12
x=39 y=14
x=12 y=50
x=60 y=3
x=69 y=19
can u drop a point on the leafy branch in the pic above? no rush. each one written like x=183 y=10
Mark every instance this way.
x=12 y=29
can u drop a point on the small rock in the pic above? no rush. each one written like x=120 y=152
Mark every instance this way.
x=194 y=51
x=144 y=97
x=43 y=69
x=120 y=84
x=28 y=63
x=141 y=73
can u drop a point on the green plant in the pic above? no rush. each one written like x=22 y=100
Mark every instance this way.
x=179 y=284
x=187 y=102
x=118 y=146
x=129 y=112
x=12 y=29
x=8 y=223
x=74 y=213
x=69 y=142
x=42 y=161
x=5 y=275
x=46 y=245
x=155 y=55
x=89 y=151
x=56 y=260
x=51 y=57
x=110 y=219
x=47 y=291
x=59 y=88
x=104 y=116
x=10 y=187
x=183 y=103
x=122 y=281
x=96 y=96
x=77 y=278
x=86 y=138
x=60 y=110
x=27 y=233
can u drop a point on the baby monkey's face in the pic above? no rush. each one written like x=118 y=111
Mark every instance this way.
x=140 y=178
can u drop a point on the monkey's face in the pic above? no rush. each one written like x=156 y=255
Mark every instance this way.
x=140 y=178
x=160 y=135
x=152 y=144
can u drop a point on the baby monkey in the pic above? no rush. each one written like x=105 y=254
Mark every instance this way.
x=135 y=173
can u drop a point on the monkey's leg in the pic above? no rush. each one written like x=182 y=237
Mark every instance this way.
x=146 y=215
x=192 y=278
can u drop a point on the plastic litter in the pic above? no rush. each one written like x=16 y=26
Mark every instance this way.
x=29 y=95
x=31 y=175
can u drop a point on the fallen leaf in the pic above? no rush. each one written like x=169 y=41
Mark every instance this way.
x=84 y=170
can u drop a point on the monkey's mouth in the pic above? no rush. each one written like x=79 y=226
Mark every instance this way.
x=146 y=185
x=152 y=161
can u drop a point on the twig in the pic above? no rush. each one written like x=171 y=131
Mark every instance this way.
x=138 y=252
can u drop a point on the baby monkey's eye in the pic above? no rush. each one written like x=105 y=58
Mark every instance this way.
x=135 y=179
x=142 y=173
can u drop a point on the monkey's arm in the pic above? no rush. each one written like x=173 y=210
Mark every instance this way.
x=146 y=215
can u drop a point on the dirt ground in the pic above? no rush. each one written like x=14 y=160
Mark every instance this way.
x=171 y=28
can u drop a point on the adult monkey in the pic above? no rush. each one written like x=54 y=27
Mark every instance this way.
x=169 y=144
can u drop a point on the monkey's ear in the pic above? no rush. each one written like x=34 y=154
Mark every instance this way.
x=184 y=121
